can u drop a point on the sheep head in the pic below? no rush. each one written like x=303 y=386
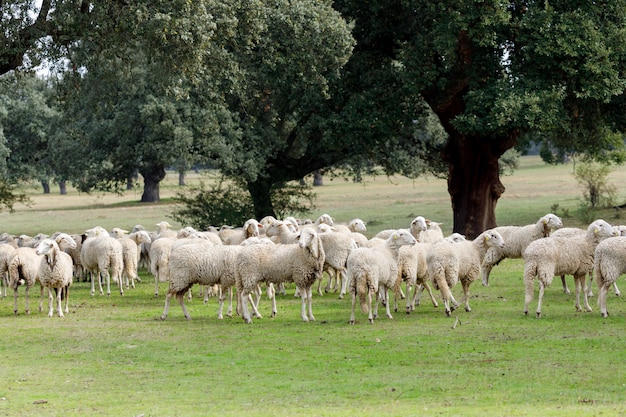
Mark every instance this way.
x=48 y=248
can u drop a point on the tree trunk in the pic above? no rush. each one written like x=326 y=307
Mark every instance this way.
x=62 y=187
x=474 y=181
x=181 y=178
x=318 y=180
x=152 y=176
x=46 y=186
x=260 y=191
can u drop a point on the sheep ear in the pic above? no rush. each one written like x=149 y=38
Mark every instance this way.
x=315 y=249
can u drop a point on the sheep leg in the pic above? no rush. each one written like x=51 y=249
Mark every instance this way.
x=15 y=300
x=617 y=293
x=229 y=312
x=50 y=301
x=120 y=282
x=273 y=298
x=59 y=293
x=304 y=294
x=542 y=289
x=156 y=285
x=26 y=295
x=66 y=290
x=167 y=305
x=255 y=305
x=387 y=312
x=245 y=314
x=310 y=302
x=372 y=314
x=181 y=300
x=344 y=284
x=410 y=301
x=565 y=289
x=352 y=321
x=430 y=292
x=93 y=289
x=583 y=282
x=205 y=299
x=602 y=300
x=466 y=285
x=529 y=289
x=41 y=298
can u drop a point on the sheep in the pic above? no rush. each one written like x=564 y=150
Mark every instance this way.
x=413 y=270
x=432 y=233
x=23 y=271
x=236 y=236
x=357 y=226
x=558 y=255
x=609 y=263
x=517 y=238
x=573 y=231
x=164 y=230
x=302 y=264
x=131 y=244
x=337 y=248
x=449 y=263
x=103 y=254
x=199 y=263
x=279 y=232
x=55 y=272
x=370 y=270
x=6 y=253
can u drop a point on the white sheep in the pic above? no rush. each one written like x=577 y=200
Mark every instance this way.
x=102 y=255
x=371 y=270
x=557 y=255
x=432 y=233
x=573 y=231
x=302 y=264
x=131 y=244
x=236 y=236
x=55 y=272
x=6 y=253
x=23 y=271
x=517 y=238
x=279 y=232
x=199 y=263
x=413 y=270
x=449 y=263
x=609 y=264
x=337 y=248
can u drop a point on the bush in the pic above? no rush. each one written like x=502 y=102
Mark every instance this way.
x=592 y=177
x=230 y=203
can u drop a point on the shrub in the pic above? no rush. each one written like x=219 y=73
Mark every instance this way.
x=592 y=177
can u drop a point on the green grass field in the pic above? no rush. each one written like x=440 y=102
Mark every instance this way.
x=112 y=356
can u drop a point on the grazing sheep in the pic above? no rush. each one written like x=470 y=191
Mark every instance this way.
x=449 y=263
x=517 y=238
x=6 y=253
x=558 y=255
x=370 y=270
x=55 y=272
x=609 y=263
x=23 y=271
x=100 y=255
x=302 y=264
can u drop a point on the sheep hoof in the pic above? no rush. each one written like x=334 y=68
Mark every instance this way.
x=408 y=310
x=468 y=309
x=15 y=312
x=352 y=322
x=163 y=317
x=538 y=314
x=448 y=313
x=371 y=321
x=605 y=315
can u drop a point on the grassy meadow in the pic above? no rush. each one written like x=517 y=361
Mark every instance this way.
x=112 y=356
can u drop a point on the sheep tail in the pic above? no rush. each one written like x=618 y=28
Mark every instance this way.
x=15 y=270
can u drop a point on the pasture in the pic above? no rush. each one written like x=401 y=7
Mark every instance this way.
x=112 y=356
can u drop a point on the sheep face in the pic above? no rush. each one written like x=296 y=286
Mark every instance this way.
x=402 y=237
x=552 y=221
x=419 y=223
x=357 y=225
x=601 y=229
x=493 y=239
x=325 y=218
x=456 y=238
x=65 y=241
x=45 y=247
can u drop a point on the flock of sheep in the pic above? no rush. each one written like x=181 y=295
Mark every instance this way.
x=273 y=252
